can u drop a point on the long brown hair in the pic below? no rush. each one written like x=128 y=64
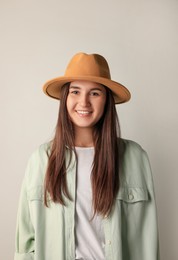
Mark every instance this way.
x=105 y=171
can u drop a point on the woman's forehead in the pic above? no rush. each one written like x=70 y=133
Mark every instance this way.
x=86 y=84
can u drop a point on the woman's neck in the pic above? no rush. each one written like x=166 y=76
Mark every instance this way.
x=84 y=137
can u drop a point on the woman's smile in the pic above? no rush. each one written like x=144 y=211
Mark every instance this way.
x=82 y=112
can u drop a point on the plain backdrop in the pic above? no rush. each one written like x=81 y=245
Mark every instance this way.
x=140 y=41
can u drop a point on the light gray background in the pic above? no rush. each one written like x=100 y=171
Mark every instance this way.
x=139 y=38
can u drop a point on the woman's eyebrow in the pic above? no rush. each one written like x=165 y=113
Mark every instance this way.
x=96 y=89
x=75 y=87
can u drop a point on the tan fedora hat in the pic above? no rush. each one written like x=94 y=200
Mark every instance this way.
x=89 y=67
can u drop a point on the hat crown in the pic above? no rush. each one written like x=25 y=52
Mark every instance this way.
x=83 y=64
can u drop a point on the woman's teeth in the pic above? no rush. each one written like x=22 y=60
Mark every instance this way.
x=83 y=112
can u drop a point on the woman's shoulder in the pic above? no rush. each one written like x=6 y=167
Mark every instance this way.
x=41 y=151
x=130 y=143
x=37 y=164
x=40 y=155
x=135 y=163
x=132 y=151
x=131 y=147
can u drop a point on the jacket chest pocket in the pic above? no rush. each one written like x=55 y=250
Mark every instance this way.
x=132 y=204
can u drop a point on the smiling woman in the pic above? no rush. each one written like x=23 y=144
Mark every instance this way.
x=88 y=193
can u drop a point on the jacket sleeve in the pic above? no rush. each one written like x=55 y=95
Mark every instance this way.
x=24 y=240
x=140 y=225
x=150 y=220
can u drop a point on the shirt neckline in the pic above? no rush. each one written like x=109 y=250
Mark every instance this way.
x=84 y=148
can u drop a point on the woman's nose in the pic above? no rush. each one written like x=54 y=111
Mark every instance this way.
x=85 y=100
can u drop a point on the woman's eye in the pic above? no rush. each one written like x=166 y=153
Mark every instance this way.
x=75 y=92
x=94 y=93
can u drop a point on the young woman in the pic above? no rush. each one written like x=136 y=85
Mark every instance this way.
x=87 y=194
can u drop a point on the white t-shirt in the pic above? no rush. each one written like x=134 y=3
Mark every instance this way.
x=89 y=233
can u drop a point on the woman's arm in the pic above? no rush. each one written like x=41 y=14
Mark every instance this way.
x=24 y=240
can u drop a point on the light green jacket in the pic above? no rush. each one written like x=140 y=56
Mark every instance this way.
x=130 y=231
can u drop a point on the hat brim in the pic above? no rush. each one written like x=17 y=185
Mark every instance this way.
x=53 y=87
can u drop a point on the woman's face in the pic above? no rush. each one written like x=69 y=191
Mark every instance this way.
x=85 y=103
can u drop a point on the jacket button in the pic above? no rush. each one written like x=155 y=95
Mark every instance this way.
x=131 y=196
x=109 y=242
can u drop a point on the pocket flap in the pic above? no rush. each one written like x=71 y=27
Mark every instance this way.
x=35 y=193
x=131 y=195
